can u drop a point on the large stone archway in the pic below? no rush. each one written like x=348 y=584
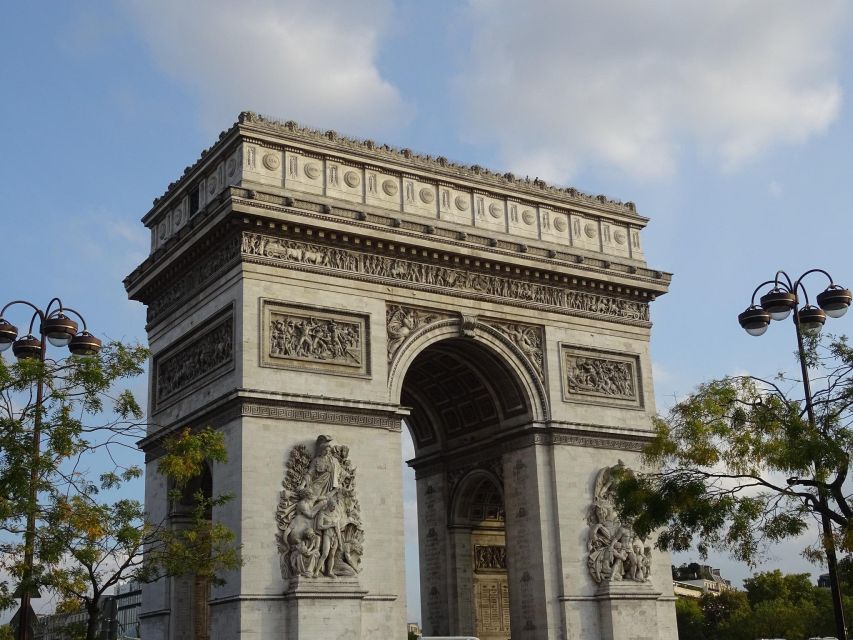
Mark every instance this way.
x=306 y=294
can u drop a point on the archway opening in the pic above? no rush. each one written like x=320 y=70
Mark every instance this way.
x=464 y=397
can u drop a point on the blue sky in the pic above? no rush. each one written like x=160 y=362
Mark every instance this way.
x=728 y=123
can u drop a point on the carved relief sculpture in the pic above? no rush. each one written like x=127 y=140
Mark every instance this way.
x=489 y=557
x=600 y=376
x=615 y=551
x=528 y=339
x=311 y=338
x=315 y=339
x=429 y=276
x=202 y=357
x=318 y=516
x=401 y=322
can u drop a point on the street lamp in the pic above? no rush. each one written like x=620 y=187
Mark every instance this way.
x=59 y=330
x=777 y=304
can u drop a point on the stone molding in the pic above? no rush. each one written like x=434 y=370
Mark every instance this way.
x=531 y=188
x=301 y=255
x=471 y=460
x=303 y=413
x=196 y=358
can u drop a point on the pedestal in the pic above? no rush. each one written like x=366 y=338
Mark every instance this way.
x=628 y=610
x=324 y=608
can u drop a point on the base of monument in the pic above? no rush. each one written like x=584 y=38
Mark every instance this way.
x=324 y=607
x=626 y=612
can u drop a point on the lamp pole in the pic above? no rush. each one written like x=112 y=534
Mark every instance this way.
x=61 y=331
x=777 y=304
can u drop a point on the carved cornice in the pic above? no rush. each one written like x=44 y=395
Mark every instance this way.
x=225 y=410
x=535 y=188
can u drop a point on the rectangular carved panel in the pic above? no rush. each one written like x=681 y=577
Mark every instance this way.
x=601 y=377
x=314 y=339
x=196 y=359
x=489 y=557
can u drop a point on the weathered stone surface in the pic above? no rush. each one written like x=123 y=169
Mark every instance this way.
x=302 y=284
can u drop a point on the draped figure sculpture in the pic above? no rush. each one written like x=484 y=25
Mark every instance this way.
x=318 y=516
x=615 y=551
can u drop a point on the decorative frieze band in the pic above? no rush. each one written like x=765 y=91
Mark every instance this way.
x=420 y=275
x=203 y=355
x=201 y=271
x=299 y=413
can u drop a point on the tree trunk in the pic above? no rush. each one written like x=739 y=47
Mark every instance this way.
x=94 y=616
x=201 y=608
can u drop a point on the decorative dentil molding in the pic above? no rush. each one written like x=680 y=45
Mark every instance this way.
x=615 y=552
x=318 y=516
x=420 y=275
x=204 y=355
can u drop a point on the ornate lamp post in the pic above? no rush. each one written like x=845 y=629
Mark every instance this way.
x=59 y=330
x=777 y=304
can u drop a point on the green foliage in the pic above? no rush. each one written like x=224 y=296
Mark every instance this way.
x=740 y=466
x=691 y=622
x=773 y=606
x=84 y=544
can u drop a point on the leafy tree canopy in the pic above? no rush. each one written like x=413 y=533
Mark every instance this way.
x=738 y=466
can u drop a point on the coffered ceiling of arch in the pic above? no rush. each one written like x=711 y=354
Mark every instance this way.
x=457 y=388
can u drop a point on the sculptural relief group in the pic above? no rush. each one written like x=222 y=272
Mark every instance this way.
x=318 y=516
x=616 y=553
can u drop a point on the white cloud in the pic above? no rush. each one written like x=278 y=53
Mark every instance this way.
x=294 y=59
x=559 y=85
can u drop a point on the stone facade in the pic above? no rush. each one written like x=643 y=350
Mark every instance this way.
x=307 y=294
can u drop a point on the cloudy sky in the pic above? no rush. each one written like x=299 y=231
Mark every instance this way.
x=729 y=123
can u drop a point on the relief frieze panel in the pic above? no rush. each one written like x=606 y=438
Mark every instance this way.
x=489 y=557
x=456 y=281
x=196 y=360
x=198 y=274
x=601 y=377
x=313 y=338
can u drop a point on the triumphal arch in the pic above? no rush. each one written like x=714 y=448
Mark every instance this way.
x=311 y=295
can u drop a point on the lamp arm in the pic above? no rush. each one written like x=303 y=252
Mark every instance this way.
x=791 y=287
x=76 y=313
x=758 y=288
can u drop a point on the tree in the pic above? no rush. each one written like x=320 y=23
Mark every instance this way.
x=85 y=544
x=690 y=619
x=737 y=465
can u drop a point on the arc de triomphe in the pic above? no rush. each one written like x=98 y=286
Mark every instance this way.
x=308 y=293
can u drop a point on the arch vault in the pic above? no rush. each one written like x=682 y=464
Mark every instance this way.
x=306 y=295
